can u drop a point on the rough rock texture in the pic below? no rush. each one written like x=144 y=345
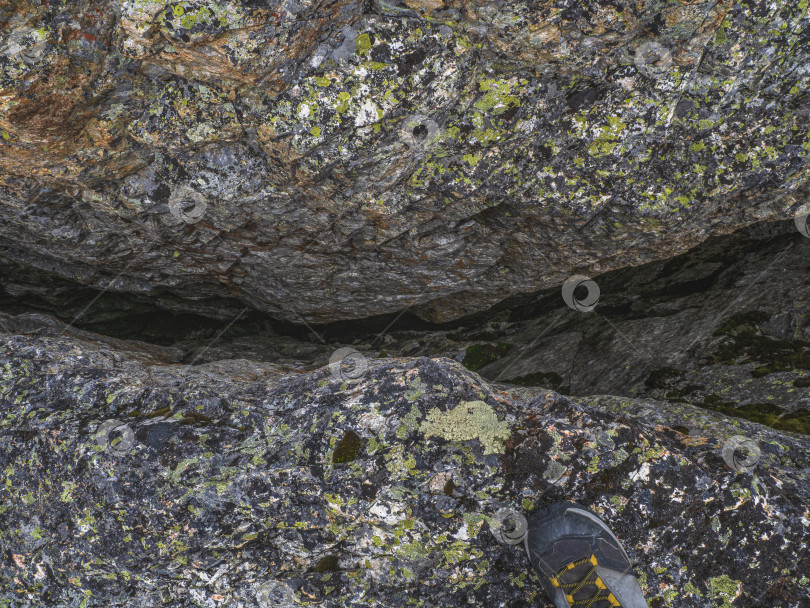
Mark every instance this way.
x=326 y=161
x=236 y=480
x=220 y=180
x=725 y=326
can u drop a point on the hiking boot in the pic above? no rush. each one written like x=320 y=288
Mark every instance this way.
x=580 y=561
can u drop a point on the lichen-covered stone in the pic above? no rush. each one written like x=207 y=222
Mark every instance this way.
x=467 y=421
x=333 y=161
x=222 y=483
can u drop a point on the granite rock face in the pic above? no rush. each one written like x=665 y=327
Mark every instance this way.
x=725 y=326
x=236 y=482
x=327 y=161
x=224 y=180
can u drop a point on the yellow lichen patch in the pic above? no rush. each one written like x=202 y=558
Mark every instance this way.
x=469 y=420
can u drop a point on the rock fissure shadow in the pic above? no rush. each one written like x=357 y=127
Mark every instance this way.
x=702 y=325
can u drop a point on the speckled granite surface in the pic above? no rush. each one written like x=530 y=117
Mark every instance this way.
x=327 y=161
x=220 y=180
x=226 y=480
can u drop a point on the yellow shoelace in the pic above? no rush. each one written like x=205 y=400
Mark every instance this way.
x=592 y=578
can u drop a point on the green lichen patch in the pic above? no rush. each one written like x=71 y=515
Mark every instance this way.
x=723 y=590
x=746 y=343
x=769 y=414
x=467 y=421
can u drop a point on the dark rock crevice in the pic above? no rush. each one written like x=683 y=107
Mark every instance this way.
x=709 y=328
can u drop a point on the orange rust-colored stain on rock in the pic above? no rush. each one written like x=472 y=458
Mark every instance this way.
x=48 y=115
x=207 y=62
x=93 y=15
x=377 y=218
x=696 y=12
x=693 y=441
x=97 y=134
x=78 y=34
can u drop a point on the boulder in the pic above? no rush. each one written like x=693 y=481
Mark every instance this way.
x=322 y=162
x=132 y=480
